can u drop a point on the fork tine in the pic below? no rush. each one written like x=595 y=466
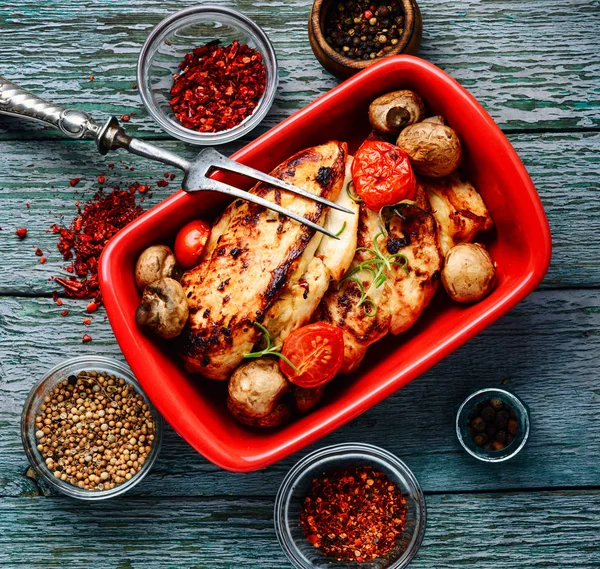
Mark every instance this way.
x=224 y=163
x=236 y=192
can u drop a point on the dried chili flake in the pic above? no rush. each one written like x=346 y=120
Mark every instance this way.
x=64 y=312
x=218 y=87
x=166 y=174
x=101 y=179
x=354 y=514
x=172 y=177
x=87 y=321
x=125 y=118
x=92 y=307
x=43 y=260
x=74 y=182
x=97 y=221
x=39 y=252
x=21 y=233
x=162 y=183
x=86 y=338
x=27 y=205
x=91 y=77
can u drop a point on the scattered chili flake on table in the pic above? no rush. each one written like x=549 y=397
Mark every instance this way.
x=354 y=514
x=21 y=233
x=492 y=424
x=162 y=183
x=64 y=312
x=87 y=321
x=364 y=31
x=39 y=252
x=101 y=218
x=86 y=338
x=125 y=118
x=218 y=87
x=43 y=260
x=74 y=182
x=92 y=307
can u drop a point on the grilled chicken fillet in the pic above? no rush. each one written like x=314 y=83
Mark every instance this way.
x=251 y=257
x=400 y=300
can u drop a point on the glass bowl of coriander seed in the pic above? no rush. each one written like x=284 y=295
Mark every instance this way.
x=88 y=429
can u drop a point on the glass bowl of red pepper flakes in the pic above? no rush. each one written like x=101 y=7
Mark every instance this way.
x=328 y=464
x=208 y=41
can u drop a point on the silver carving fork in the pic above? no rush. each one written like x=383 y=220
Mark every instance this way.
x=110 y=136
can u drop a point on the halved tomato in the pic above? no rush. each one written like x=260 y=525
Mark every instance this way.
x=316 y=350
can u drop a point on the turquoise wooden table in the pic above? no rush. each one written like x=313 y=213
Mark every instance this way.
x=535 y=66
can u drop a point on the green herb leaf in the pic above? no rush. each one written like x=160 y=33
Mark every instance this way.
x=351 y=196
x=341 y=230
x=270 y=350
x=378 y=266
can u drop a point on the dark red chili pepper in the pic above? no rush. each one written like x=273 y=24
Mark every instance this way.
x=218 y=87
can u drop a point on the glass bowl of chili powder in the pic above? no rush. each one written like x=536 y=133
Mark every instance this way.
x=322 y=471
x=237 y=61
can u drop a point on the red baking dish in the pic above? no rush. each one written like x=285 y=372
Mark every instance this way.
x=521 y=246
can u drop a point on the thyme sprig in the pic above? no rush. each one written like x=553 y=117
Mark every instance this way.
x=378 y=266
x=270 y=350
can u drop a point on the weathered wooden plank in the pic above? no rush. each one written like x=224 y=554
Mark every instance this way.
x=512 y=531
x=531 y=64
x=564 y=167
x=546 y=350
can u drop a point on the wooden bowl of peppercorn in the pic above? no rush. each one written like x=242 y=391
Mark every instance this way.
x=347 y=36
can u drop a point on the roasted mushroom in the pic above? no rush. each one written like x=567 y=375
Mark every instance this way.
x=434 y=149
x=306 y=398
x=469 y=273
x=154 y=263
x=255 y=390
x=277 y=417
x=164 y=308
x=391 y=112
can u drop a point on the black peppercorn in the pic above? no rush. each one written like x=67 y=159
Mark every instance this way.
x=488 y=414
x=501 y=436
x=372 y=27
x=480 y=439
x=513 y=426
x=478 y=424
x=502 y=418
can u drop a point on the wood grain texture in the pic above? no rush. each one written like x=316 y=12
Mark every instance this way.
x=564 y=167
x=545 y=349
x=487 y=531
x=531 y=64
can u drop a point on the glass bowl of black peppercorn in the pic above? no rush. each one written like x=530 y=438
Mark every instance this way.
x=492 y=424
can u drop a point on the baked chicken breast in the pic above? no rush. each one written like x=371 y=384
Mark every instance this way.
x=254 y=256
x=393 y=306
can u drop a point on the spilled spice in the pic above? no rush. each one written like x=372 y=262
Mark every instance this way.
x=97 y=221
x=218 y=87
x=354 y=514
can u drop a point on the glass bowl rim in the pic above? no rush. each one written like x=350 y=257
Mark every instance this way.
x=66 y=487
x=317 y=456
x=520 y=408
x=189 y=135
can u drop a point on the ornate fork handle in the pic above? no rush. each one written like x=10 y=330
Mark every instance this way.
x=21 y=103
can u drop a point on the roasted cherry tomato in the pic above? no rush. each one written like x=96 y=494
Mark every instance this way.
x=190 y=242
x=382 y=175
x=317 y=350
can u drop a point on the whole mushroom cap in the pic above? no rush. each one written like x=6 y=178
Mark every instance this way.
x=154 y=263
x=164 y=308
x=391 y=112
x=433 y=149
x=469 y=273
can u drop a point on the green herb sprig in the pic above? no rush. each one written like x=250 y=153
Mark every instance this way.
x=341 y=230
x=377 y=267
x=270 y=350
x=351 y=195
